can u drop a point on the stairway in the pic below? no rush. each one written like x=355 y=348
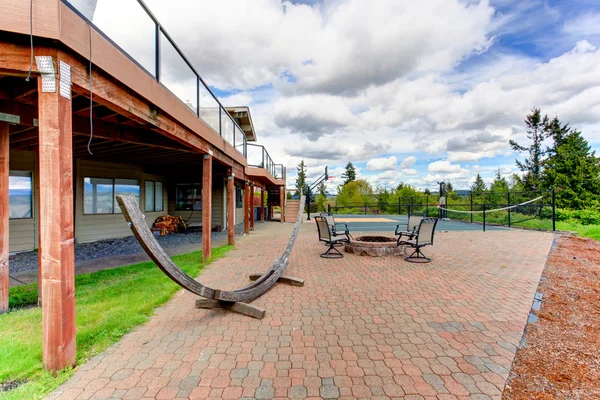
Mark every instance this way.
x=291 y=210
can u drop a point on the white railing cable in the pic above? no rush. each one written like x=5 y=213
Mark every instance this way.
x=497 y=209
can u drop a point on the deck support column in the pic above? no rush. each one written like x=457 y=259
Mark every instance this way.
x=246 y=201
x=262 y=205
x=251 y=206
x=230 y=208
x=4 y=215
x=282 y=203
x=57 y=256
x=206 y=206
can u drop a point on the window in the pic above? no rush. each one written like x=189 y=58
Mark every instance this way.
x=20 y=194
x=99 y=194
x=188 y=197
x=154 y=196
x=239 y=197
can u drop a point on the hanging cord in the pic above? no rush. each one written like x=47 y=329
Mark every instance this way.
x=91 y=95
x=30 y=39
x=15 y=279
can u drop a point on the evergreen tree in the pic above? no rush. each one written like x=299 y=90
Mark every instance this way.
x=427 y=192
x=322 y=189
x=499 y=185
x=532 y=165
x=478 y=187
x=350 y=174
x=571 y=168
x=301 y=178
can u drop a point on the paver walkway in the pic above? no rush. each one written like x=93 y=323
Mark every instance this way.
x=360 y=327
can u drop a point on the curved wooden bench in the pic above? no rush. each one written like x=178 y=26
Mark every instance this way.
x=235 y=300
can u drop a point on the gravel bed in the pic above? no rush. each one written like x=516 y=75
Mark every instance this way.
x=28 y=261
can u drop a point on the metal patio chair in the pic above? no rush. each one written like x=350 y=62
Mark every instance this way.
x=326 y=236
x=334 y=227
x=411 y=228
x=422 y=237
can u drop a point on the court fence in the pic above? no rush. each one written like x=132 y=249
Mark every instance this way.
x=488 y=208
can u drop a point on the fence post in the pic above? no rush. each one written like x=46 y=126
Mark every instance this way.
x=427 y=206
x=398 y=205
x=365 y=208
x=329 y=208
x=484 y=217
x=471 y=197
x=508 y=194
x=553 y=209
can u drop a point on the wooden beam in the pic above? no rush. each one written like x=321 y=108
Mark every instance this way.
x=230 y=209
x=246 y=201
x=262 y=205
x=206 y=206
x=56 y=231
x=4 y=215
x=282 y=203
x=252 y=207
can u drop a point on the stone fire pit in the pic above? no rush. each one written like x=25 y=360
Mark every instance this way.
x=374 y=246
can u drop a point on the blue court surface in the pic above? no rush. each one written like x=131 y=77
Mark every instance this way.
x=383 y=223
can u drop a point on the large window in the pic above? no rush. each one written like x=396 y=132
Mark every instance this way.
x=20 y=194
x=99 y=194
x=154 y=196
x=239 y=197
x=188 y=197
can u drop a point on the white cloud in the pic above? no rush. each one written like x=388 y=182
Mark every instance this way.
x=444 y=167
x=382 y=164
x=408 y=162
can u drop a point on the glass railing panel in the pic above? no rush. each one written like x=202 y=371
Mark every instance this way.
x=209 y=108
x=226 y=127
x=255 y=156
x=137 y=39
x=177 y=75
x=239 y=140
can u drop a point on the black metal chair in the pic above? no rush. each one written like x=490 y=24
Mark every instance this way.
x=423 y=237
x=411 y=228
x=326 y=236
x=334 y=227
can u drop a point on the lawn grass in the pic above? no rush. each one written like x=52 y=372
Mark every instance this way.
x=109 y=304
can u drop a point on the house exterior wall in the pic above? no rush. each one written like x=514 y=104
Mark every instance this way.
x=195 y=218
x=91 y=227
x=23 y=232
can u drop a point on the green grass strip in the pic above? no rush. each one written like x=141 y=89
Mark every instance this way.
x=109 y=304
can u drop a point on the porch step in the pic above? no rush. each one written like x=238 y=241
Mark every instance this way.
x=291 y=210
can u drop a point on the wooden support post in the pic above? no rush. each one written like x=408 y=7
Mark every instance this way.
x=282 y=202
x=246 y=201
x=251 y=206
x=206 y=206
x=230 y=208
x=4 y=216
x=56 y=230
x=262 y=205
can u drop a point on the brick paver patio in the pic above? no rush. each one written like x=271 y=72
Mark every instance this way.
x=361 y=327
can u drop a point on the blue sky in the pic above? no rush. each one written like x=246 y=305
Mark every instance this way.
x=409 y=92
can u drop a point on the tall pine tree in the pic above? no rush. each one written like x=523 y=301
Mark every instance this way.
x=478 y=187
x=301 y=178
x=350 y=174
x=571 y=167
x=532 y=164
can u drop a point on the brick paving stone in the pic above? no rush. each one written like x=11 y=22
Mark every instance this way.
x=361 y=327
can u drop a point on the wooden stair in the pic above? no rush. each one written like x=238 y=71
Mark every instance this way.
x=291 y=210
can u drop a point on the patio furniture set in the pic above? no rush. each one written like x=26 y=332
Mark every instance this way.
x=419 y=233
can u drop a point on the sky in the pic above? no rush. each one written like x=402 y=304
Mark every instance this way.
x=408 y=91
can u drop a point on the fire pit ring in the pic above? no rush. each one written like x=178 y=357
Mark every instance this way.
x=374 y=246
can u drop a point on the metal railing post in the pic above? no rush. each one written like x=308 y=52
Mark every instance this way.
x=484 y=217
x=220 y=122
x=508 y=197
x=553 y=209
x=157 y=51
x=471 y=197
x=198 y=104
x=427 y=206
x=329 y=208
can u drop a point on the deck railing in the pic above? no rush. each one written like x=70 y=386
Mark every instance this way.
x=163 y=59
x=259 y=157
